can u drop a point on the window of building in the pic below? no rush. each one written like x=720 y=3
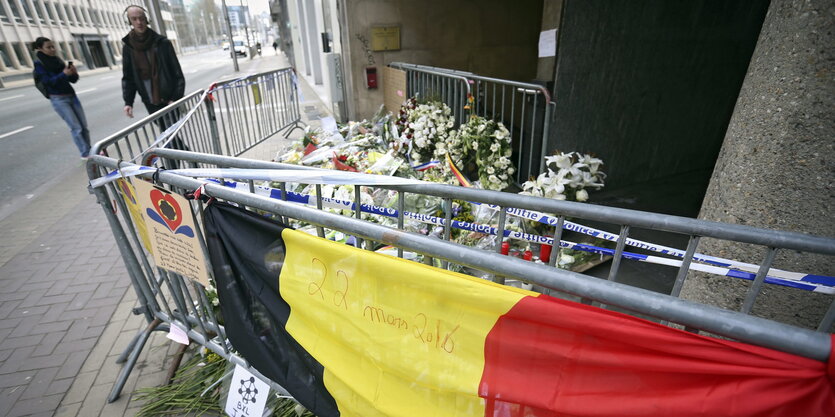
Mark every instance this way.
x=79 y=18
x=52 y=18
x=14 y=12
x=70 y=17
x=30 y=16
x=20 y=51
x=4 y=56
x=4 y=17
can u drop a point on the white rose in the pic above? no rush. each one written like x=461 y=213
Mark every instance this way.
x=490 y=170
x=582 y=195
x=494 y=147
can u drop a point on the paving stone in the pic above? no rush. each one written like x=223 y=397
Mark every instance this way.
x=93 y=331
x=68 y=410
x=80 y=301
x=96 y=399
x=80 y=386
x=8 y=398
x=54 y=327
x=10 y=323
x=28 y=311
x=59 y=287
x=60 y=386
x=26 y=323
x=19 y=342
x=43 y=362
x=103 y=290
x=85 y=345
x=38 y=385
x=7 y=307
x=35 y=405
x=73 y=364
x=42 y=285
x=48 y=344
x=55 y=299
x=13 y=362
x=16 y=379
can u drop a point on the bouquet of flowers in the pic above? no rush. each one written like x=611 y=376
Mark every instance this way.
x=487 y=143
x=567 y=177
x=421 y=127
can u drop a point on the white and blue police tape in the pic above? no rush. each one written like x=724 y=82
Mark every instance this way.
x=666 y=250
x=281 y=175
x=821 y=284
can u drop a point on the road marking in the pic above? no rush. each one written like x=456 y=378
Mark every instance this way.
x=9 y=98
x=87 y=90
x=16 y=131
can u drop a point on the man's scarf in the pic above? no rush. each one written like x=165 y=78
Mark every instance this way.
x=145 y=59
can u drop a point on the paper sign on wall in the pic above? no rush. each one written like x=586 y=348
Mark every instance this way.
x=394 y=88
x=548 y=43
x=171 y=231
x=247 y=394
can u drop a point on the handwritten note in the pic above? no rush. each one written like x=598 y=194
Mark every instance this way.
x=172 y=232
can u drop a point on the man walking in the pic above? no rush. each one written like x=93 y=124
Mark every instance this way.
x=149 y=66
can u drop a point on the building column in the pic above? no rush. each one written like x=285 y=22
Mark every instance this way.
x=775 y=168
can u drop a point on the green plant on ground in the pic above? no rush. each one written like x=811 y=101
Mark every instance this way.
x=195 y=390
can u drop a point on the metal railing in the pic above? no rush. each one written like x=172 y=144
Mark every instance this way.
x=526 y=109
x=166 y=298
x=431 y=84
x=668 y=308
x=229 y=118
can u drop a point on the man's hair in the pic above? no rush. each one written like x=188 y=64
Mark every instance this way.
x=38 y=44
x=125 y=13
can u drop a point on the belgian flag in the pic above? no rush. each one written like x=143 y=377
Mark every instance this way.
x=356 y=333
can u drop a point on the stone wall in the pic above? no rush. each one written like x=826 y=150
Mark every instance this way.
x=490 y=37
x=777 y=164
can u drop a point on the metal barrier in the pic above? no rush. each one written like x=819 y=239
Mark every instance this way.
x=227 y=119
x=253 y=108
x=450 y=89
x=166 y=297
x=526 y=109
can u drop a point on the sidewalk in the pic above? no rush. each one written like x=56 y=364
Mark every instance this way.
x=66 y=300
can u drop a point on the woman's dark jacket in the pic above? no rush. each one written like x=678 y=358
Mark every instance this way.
x=56 y=82
x=172 y=84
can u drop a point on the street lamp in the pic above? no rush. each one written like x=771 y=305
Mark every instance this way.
x=229 y=33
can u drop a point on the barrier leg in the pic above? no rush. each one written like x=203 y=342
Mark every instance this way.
x=131 y=360
x=124 y=355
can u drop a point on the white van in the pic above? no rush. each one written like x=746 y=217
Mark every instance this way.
x=240 y=46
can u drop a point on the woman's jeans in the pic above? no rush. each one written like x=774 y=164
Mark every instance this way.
x=69 y=108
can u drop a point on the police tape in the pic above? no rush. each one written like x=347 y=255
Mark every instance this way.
x=666 y=250
x=815 y=283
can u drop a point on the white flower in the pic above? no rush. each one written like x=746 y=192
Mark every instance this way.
x=582 y=195
x=501 y=132
x=475 y=144
x=494 y=147
x=490 y=170
x=566 y=259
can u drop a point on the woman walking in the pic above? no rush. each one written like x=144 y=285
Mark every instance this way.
x=57 y=76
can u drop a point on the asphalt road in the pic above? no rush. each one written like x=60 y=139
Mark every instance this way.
x=35 y=144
